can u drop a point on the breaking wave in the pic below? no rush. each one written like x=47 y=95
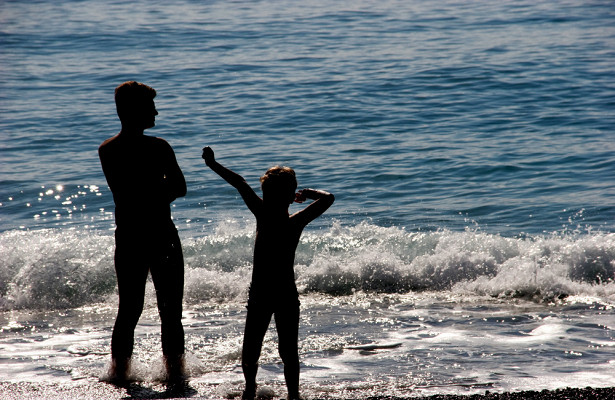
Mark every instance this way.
x=54 y=269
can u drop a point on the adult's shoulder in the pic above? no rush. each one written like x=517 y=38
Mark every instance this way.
x=157 y=141
x=107 y=144
x=159 y=145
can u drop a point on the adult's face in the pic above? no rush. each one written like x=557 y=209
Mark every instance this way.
x=148 y=115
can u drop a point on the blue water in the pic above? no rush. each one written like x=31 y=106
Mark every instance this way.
x=469 y=146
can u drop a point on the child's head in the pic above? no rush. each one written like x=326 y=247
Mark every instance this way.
x=279 y=185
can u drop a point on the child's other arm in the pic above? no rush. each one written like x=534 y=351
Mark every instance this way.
x=323 y=200
x=249 y=196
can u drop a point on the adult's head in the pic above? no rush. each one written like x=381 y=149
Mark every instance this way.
x=135 y=106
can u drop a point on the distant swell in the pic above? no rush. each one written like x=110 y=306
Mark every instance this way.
x=55 y=269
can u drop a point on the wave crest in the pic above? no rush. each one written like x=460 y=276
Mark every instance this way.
x=52 y=269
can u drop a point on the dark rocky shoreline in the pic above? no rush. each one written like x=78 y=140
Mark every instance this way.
x=98 y=390
x=559 y=394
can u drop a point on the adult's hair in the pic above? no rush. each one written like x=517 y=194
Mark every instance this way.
x=279 y=182
x=131 y=97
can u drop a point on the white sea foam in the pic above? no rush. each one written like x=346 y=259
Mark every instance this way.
x=70 y=268
x=369 y=258
x=55 y=269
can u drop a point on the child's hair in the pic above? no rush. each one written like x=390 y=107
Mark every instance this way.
x=279 y=182
x=131 y=96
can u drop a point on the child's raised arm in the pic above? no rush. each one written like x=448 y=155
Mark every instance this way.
x=247 y=194
x=323 y=200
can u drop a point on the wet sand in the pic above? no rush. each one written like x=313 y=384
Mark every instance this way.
x=99 y=390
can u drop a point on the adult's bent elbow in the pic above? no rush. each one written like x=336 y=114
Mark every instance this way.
x=182 y=191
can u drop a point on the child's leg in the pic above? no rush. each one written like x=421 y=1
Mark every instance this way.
x=287 y=325
x=257 y=322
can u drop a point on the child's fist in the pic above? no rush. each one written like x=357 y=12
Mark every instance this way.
x=208 y=155
x=300 y=196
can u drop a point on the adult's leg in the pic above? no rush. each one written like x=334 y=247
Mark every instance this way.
x=257 y=322
x=131 y=271
x=287 y=325
x=168 y=278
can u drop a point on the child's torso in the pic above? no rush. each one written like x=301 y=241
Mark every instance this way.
x=274 y=257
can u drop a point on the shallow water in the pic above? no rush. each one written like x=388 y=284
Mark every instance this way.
x=469 y=146
x=384 y=311
x=353 y=346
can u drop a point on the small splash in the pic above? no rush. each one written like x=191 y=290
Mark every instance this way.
x=265 y=393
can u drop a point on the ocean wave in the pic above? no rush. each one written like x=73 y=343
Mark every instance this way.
x=54 y=269
x=392 y=260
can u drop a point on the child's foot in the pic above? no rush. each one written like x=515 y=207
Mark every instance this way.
x=119 y=372
x=248 y=395
x=294 y=397
x=176 y=374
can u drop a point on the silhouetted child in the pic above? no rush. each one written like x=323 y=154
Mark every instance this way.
x=273 y=290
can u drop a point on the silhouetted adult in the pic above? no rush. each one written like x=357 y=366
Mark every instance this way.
x=144 y=177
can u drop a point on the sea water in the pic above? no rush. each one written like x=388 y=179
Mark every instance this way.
x=469 y=145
